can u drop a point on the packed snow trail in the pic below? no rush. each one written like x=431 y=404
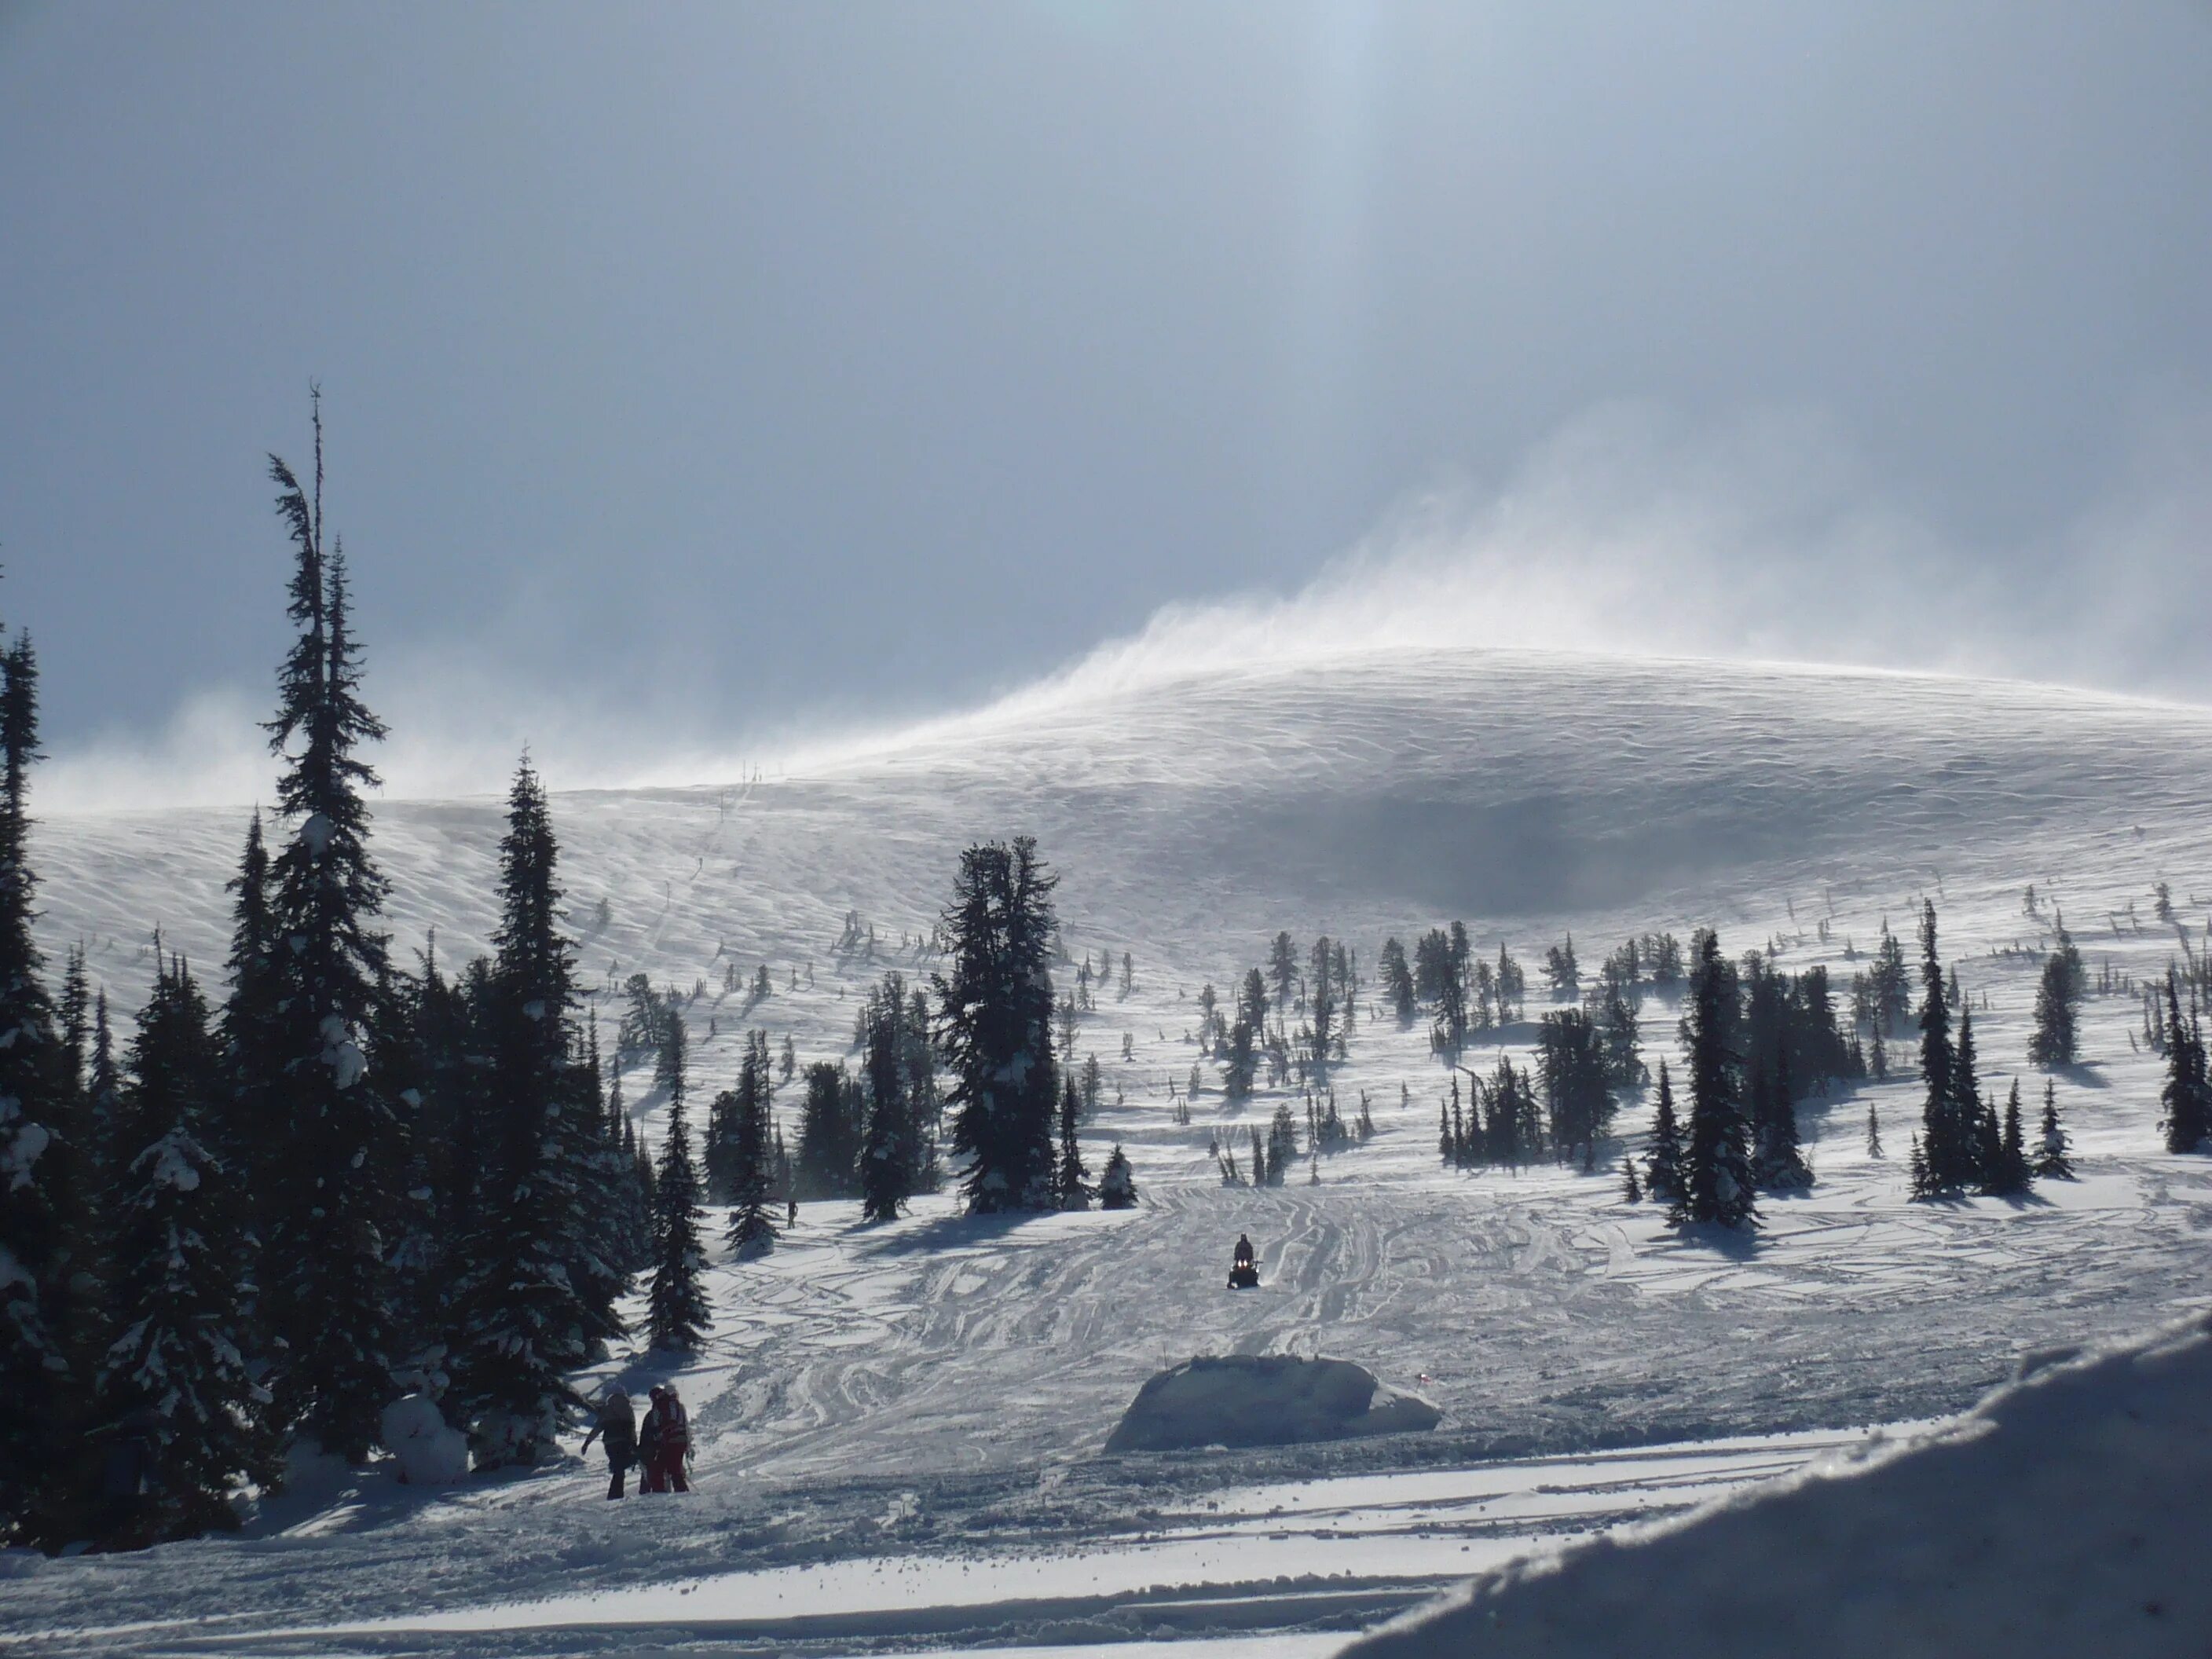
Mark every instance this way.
x=1313 y=1555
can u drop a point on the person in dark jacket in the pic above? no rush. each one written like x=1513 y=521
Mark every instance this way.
x=648 y=1447
x=617 y=1427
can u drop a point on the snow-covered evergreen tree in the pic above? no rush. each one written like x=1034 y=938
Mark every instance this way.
x=175 y=1380
x=1947 y=1146
x=2051 y=1141
x=1571 y=1065
x=253 y=1133
x=677 y=1314
x=2055 y=1040
x=2013 y=1174
x=1072 y=1183
x=1282 y=1149
x=752 y=1232
x=539 y=1302
x=2187 y=1096
x=1716 y=1182
x=1984 y=1133
x=994 y=1026
x=891 y=1158
x=1117 y=1185
x=1397 y=982
x=328 y=1291
x=1662 y=1161
x=827 y=1162
x=1619 y=1037
x=40 y=1189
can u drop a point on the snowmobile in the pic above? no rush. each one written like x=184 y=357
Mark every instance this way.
x=1244 y=1272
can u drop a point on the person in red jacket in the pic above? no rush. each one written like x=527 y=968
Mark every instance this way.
x=668 y=1430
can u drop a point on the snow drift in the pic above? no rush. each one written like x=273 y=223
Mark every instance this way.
x=1264 y=1400
x=2065 y=1514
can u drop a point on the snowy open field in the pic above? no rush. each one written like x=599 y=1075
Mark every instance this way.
x=900 y=1427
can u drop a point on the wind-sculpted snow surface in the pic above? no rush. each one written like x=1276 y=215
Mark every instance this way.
x=937 y=1390
x=1346 y=794
x=2065 y=1515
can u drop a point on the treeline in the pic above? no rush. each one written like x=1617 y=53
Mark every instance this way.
x=266 y=1219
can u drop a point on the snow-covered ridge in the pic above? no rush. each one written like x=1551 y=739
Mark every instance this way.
x=1353 y=793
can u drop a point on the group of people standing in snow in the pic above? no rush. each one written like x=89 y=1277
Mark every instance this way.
x=659 y=1447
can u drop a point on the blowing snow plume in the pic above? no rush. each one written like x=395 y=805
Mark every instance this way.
x=1630 y=533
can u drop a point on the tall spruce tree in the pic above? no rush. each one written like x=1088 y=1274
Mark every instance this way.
x=2055 y=1039
x=253 y=1133
x=1947 y=1146
x=827 y=1163
x=677 y=1314
x=2187 y=1096
x=752 y=1232
x=1398 y=981
x=2013 y=1173
x=1984 y=1134
x=994 y=1026
x=891 y=1155
x=1662 y=1161
x=539 y=1300
x=329 y=1290
x=42 y=1310
x=1072 y=1182
x=1717 y=1184
x=175 y=1382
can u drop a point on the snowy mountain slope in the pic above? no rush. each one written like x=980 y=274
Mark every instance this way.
x=2063 y=1515
x=940 y=1385
x=1345 y=794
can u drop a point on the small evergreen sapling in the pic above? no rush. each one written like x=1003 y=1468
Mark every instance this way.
x=2050 y=1159
x=1117 y=1187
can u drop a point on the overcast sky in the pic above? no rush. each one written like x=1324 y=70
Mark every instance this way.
x=706 y=369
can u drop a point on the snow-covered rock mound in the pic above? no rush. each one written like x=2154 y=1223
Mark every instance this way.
x=1264 y=1400
x=430 y=1452
x=2066 y=1515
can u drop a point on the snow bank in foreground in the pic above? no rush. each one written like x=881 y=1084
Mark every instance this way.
x=2065 y=1514
x=1263 y=1400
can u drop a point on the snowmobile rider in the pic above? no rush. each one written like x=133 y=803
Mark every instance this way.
x=618 y=1426
x=1244 y=1270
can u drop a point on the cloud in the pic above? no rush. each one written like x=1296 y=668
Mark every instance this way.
x=1632 y=530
